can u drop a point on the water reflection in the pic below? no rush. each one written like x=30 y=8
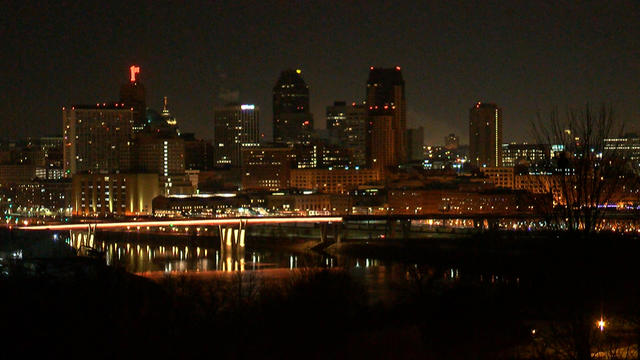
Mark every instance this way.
x=169 y=256
x=140 y=257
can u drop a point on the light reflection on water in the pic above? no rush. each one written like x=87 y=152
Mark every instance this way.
x=183 y=258
x=153 y=260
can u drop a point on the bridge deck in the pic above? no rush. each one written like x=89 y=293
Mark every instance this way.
x=203 y=222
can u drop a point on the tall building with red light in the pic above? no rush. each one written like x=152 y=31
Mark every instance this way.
x=387 y=118
x=292 y=121
x=133 y=95
x=485 y=135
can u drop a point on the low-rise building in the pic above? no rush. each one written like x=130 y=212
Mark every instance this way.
x=39 y=197
x=200 y=205
x=334 y=181
x=114 y=194
x=502 y=177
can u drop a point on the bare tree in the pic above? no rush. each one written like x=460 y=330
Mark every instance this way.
x=587 y=173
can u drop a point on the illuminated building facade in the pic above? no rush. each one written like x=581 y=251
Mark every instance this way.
x=163 y=155
x=292 y=122
x=336 y=119
x=459 y=201
x=41 y=197
x=267 y=168
x=503 y=176
x=113 y=194
x=97 y=138
x=439 y=157
x=201 y=205
x=524 y=154
x=385 y=101
x=348 y=125
x=297 y=204
x=333 y=181
x=485 y=135
x=235 y=127
x=318 y=154
x=626 y=147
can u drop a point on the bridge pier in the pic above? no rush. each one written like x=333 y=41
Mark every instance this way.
x=83 y=241
x=232 y=245
x=331 y=231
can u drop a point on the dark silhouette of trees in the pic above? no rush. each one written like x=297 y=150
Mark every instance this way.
x=587 y=174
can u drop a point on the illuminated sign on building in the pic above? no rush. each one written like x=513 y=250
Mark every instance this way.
x=134 y=71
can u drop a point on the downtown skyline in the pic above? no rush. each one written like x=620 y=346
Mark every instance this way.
x=451 y=57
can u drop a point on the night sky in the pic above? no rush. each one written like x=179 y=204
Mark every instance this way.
x=522 y=55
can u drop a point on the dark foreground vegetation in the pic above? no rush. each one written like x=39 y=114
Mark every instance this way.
x=77 y=306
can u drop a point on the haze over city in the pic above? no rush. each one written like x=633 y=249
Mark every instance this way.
x=524 y=56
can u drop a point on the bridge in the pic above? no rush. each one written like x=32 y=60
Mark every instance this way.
x=231 y=230
x=194 y=222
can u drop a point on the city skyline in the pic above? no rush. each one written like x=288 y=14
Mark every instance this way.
x=451 y=57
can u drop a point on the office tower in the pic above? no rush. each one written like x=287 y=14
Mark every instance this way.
x=336 y=119
x=163 y=154
x=267 y=167
x=524 y=154
x=52 y=148
x=451 y=142
x=97 y=138
x=198 y=153
x=415 y=144
x=485 y=135
x=319 y=154
x=355 y=134
x=292 y=122
x=347 y=124
x=386 y=145
x=133 y=95
x=235 y=127
x=625 y=147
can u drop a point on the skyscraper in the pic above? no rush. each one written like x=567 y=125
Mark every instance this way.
x=97 y=139
x=198 y=153
x=292 y=122
x=485 y=135
x=235 y=127
x=415 y=144
x=267 y=167
x=133 y=95
x=336 y=118
x=347 y=124
x=355 y=133
x=387 y=118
